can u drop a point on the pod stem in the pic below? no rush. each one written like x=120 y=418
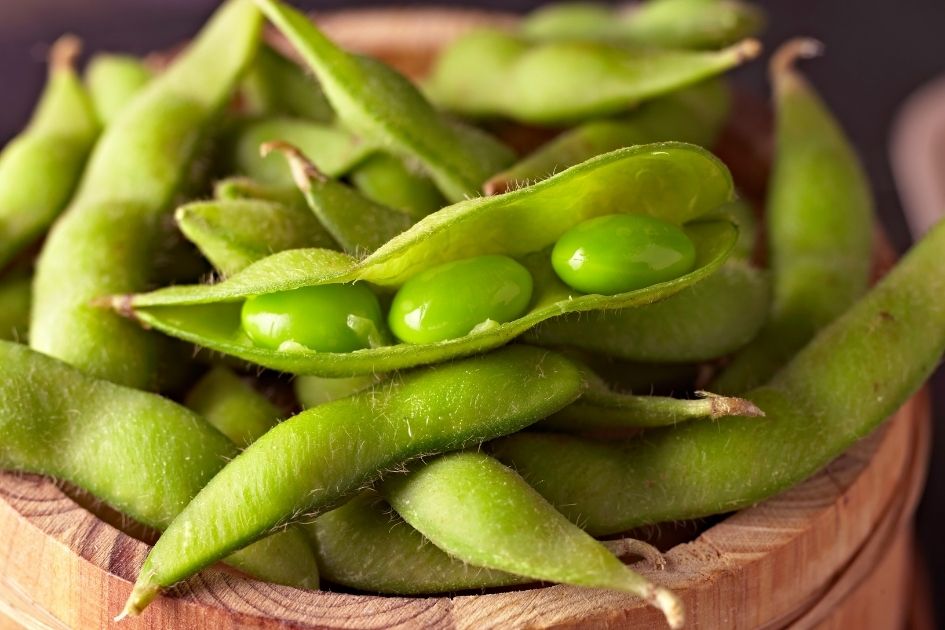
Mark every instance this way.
x=623 y=547
x=745 y=50
x=667 y=601
x=786 y=56
x=141 y=596
x=64 y=52
x=722 y=406
x=303 y=169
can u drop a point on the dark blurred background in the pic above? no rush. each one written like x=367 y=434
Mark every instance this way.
x=878 y=52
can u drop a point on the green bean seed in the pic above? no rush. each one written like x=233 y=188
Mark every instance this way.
x=675 y=182
x=114 y=81
x=380 y=105
x=15 y=298
x=839 y=388
x=477 y=510
x=139 y=453
x=275 y=85
x=704 y=322
x=40 y=168
x=622 y=252
x=496 y=73
x=325 y=453
x=328 y=318
x=820 y=225
x=387 y=180
x=106 y=241
x=694 y=114
x=233 y=234
x=459 y=298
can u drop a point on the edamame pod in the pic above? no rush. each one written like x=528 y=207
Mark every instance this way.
x=603 y=407
x=477 y=510
x=676 y=182
x=838 y=389
x=15 y=298
x=820 y=225
x=389 y=181
x=106 y=241
x=232 y=406
x=114 y=81
x=314 y=459
x=333 y=150
x=233 y=234
x=706 y=321
x=358 y=224
x=141 y=454
x=496 y=73
x=378 y=104
x=275 y=85
x=663 y=23
x=40 y=168
x=312 y=391
x=694 y=114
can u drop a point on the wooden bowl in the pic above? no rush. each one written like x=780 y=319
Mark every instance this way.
x=833 y=552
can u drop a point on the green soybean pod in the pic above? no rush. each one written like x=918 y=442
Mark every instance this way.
x=694 y=114
x=820 y=225
x=358 y=224
x=704 y=322
x=114 y=81
x=662 y=23
x=312 y=391
x=378 y=104
x=603 y=407
x=316 y=458
x=333 y=150
x=106 y=241
x=141 y=454
x=15 y=299
x=477 y=510
x=387 y=180
x=836 y=390
x=233 y=234
x=489 y=73
x=275 y=85
x=232 y=406
x=39 y=169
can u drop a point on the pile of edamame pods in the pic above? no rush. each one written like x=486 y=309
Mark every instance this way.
x=475 y=336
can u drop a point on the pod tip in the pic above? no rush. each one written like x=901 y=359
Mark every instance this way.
x=789 y=52
x=64 y=52
x=303 y=170
x=746 y=50
x=672 y=607
x=141 y=596
x=722 y=406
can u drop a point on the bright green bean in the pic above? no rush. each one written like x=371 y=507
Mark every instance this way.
x=454 y=299
x=663 y=23
x=141 y=454
x=694 y=114
x=603 y=407
x=275 y=85
x=389 y=181
x=106 y=241
x=496 y=73
x=232 y=406
x=676 y=182
x=15 y=298
x=233 y=234
x=114 y=81
x=820 y=226
x=333 y=150
x=838 y=389
x=358 y=224
x=40 y=168
x=704 y=322
x=477 y=510
x=380 y=105
x=319 y=456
